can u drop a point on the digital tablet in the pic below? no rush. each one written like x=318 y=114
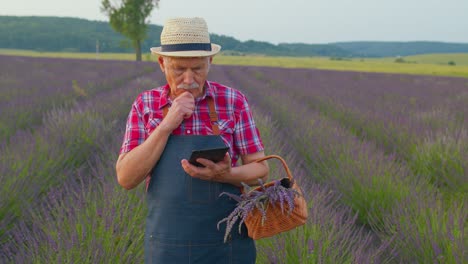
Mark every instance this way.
x=214 y=154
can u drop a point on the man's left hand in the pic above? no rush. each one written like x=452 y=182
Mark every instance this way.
x=219 y=172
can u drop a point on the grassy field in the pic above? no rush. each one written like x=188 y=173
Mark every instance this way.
x=443 y=59
x=102 y=56
x=460 y=59
x=362 y=65
x=435 y=64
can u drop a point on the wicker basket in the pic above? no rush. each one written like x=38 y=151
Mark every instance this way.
x=277 y=220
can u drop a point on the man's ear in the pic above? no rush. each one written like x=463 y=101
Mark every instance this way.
x=161 y=63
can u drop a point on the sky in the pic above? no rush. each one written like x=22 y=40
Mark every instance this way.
x=290 y=21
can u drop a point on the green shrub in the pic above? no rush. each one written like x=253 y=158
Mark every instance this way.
x=442 y=160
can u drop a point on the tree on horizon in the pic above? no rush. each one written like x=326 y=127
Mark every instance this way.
x=129 y=17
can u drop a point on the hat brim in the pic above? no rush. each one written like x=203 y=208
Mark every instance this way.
x=188 y=53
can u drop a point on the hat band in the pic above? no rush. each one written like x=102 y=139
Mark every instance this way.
x=186 y=47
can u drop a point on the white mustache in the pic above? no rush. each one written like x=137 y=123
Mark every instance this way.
x=188 y=86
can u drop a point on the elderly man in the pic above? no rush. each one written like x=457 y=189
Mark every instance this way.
x=164 y=125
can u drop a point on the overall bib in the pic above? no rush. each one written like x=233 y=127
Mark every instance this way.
x=183 y=212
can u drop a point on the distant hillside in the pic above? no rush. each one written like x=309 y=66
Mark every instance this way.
x=64 y=34
x=81 y=35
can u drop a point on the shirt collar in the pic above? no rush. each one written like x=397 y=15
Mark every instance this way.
x=166 y=99
x=209 y=91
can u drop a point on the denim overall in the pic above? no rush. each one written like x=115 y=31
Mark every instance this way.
x=183 y=212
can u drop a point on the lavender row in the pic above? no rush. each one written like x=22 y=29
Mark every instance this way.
x=426 y=111
x=89 y=219
x=35 y=162
x=421 y=118
x=329 y=223
x=375 y=185
x=385 y=115
x=61 y=211
x=403 y=97
x=333 y=161
x=326 y=148
x=29 y=87
x=96 y=228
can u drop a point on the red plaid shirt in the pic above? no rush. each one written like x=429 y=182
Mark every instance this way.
x=235 y=121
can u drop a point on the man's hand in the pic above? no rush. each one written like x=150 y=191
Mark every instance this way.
x=219 y=172
x=182 y=108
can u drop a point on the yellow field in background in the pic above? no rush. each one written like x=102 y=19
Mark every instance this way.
x=367 y=65
x=76 y=55
x=432 y=64
x=440 y=59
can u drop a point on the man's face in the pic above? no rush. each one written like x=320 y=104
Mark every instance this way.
x=185 y=74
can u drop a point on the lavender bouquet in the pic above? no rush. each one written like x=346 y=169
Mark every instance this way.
x=275 y=192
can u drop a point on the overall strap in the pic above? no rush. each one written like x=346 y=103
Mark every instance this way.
x=165 y=110
x=213 y=115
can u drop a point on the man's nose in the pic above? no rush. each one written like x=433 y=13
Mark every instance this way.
x=189 y=77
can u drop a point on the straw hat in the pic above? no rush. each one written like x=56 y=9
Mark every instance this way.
x=186 y=37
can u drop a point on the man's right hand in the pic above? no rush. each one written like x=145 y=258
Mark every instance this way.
x=182 y=108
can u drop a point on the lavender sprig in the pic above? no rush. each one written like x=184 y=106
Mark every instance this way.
x=279 y=192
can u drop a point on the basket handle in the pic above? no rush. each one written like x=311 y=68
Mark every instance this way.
x=282 y=161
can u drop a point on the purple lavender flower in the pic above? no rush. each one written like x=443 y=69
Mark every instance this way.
x=276 y=193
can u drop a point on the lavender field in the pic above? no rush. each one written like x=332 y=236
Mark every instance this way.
x=382 y=158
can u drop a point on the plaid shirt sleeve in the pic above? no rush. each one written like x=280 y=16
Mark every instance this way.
x=246 y=137
x=135 y=132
